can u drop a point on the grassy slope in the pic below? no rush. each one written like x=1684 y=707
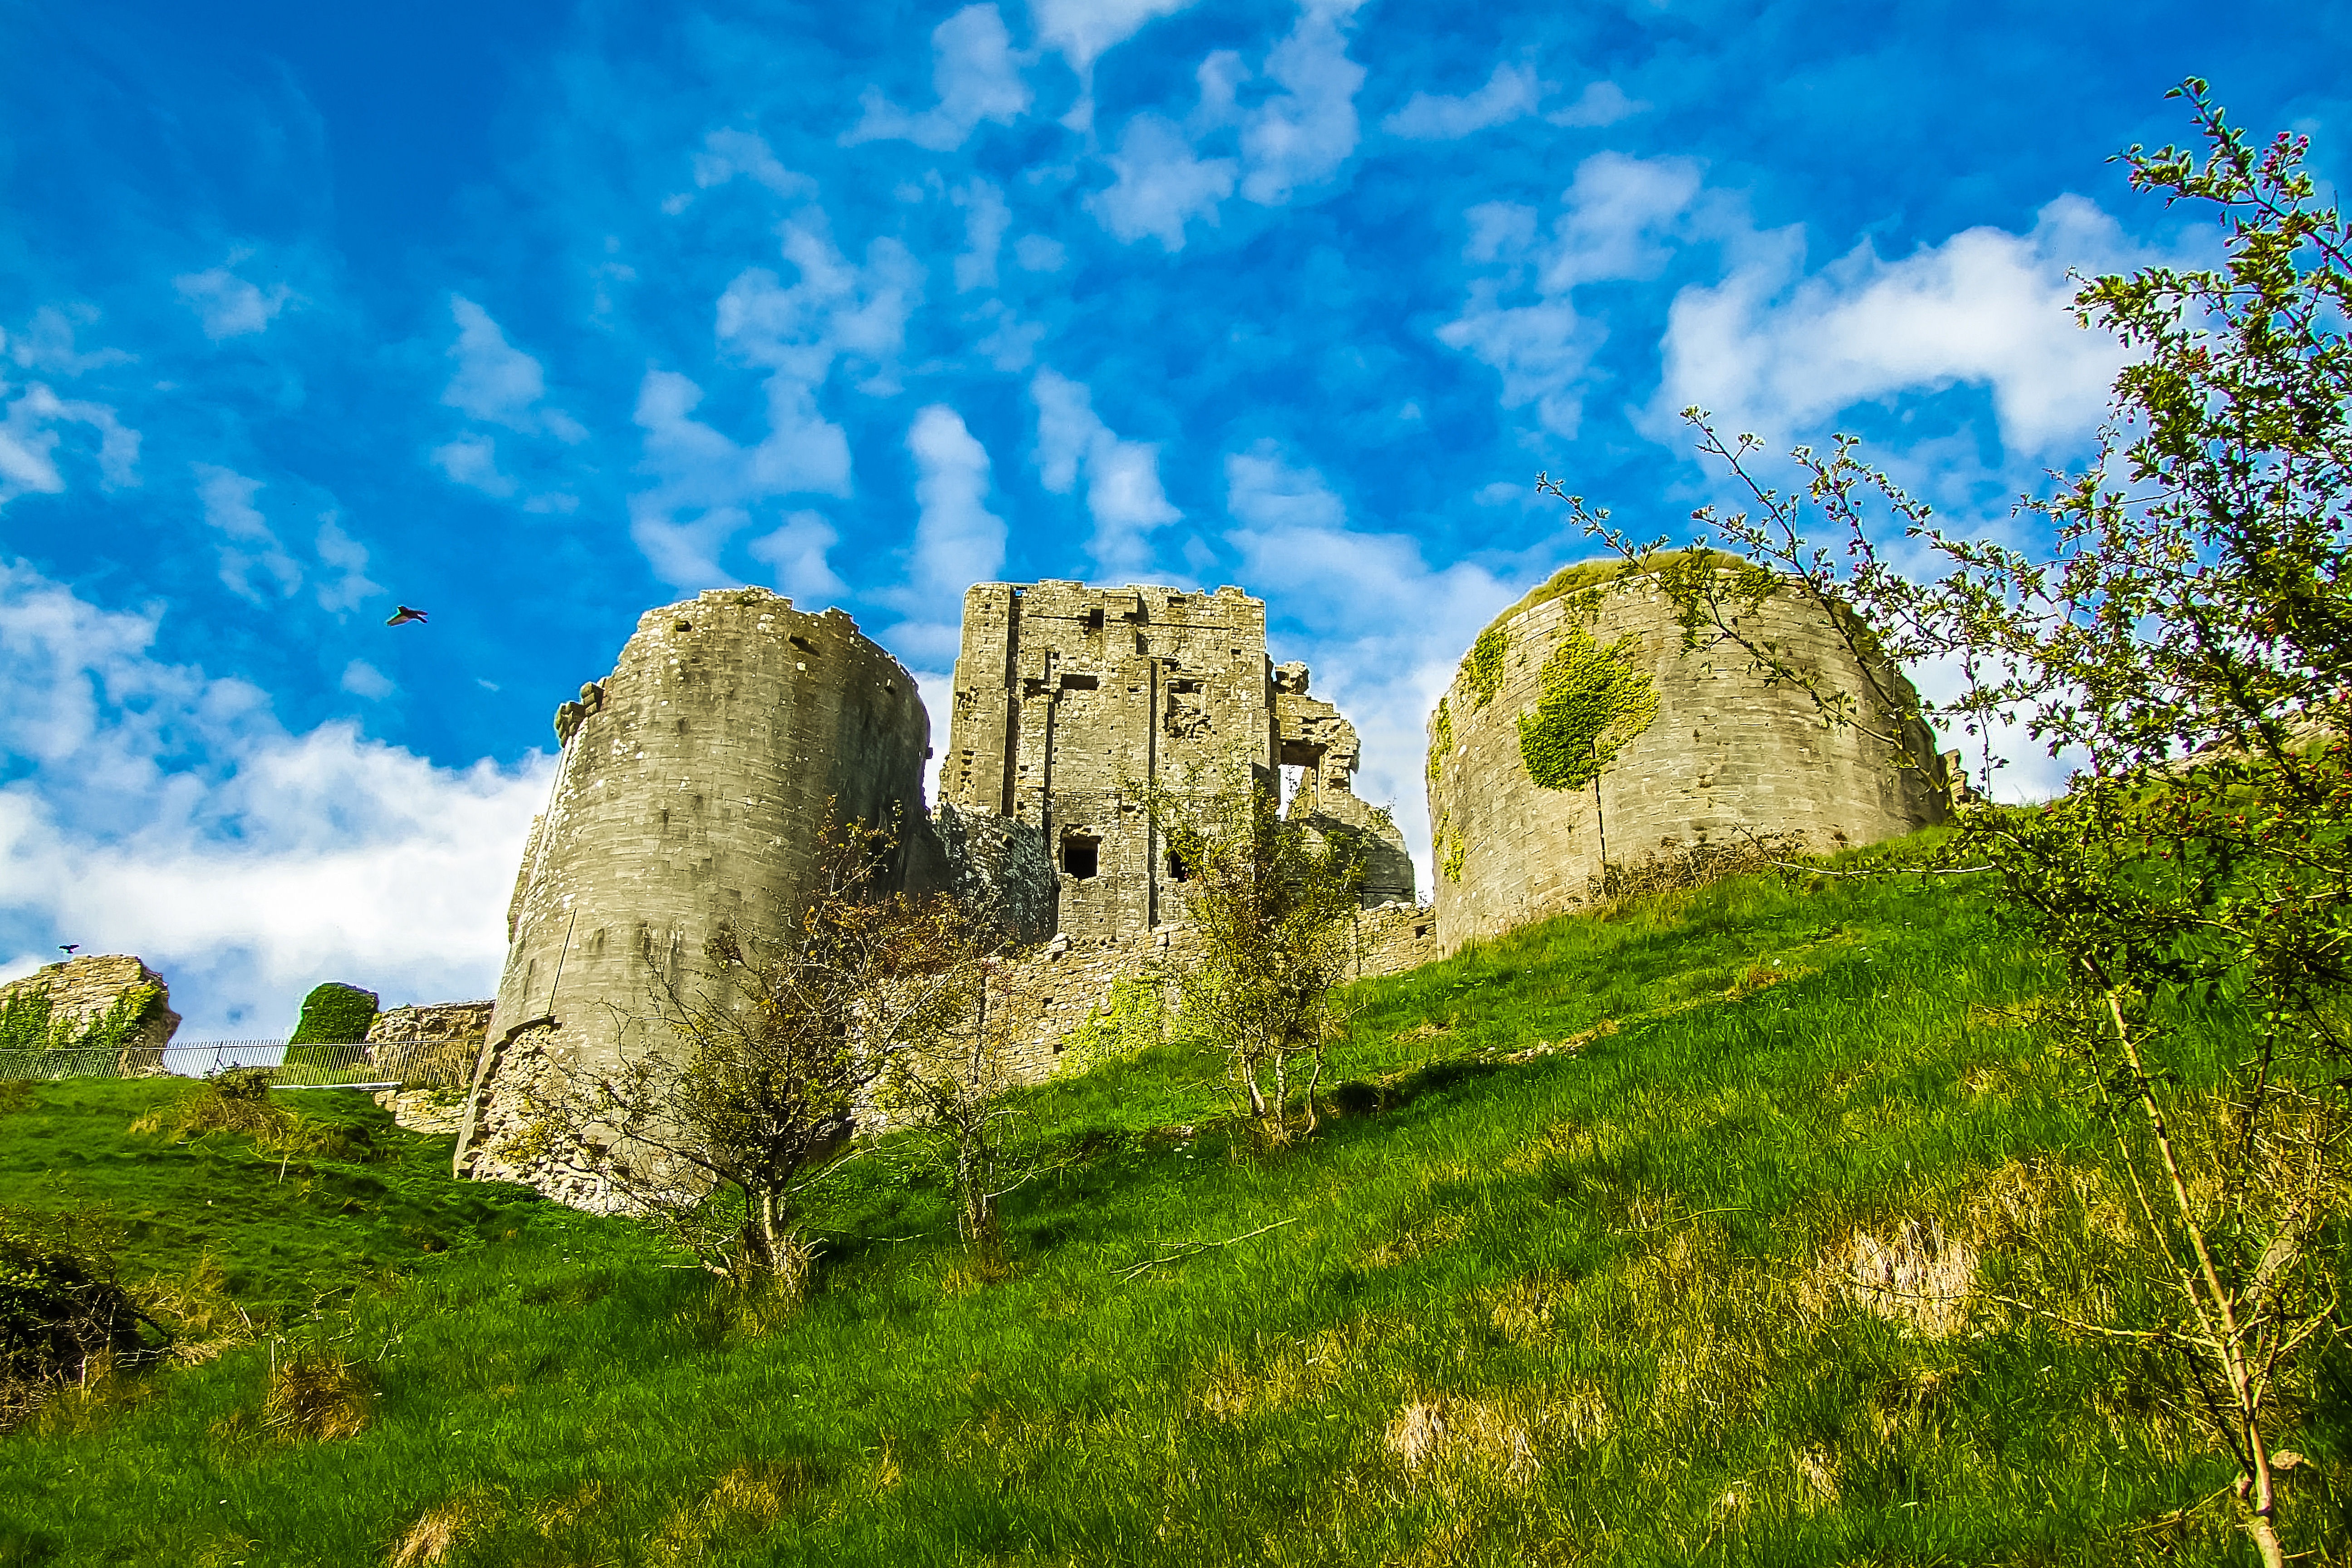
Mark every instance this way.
x=1600 y=1267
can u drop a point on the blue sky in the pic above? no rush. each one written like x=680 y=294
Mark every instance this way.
x=535 y=315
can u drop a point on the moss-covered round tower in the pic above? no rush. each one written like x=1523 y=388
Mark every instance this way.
x=1580 y=734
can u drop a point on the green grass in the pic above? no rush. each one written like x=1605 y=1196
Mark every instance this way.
x=1597 y=1272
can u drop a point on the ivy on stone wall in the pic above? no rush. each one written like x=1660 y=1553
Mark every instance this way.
x=1444 y=838
x=30 y=1022
x=335 y=1014
x=1593 y=701
x=1482 y=667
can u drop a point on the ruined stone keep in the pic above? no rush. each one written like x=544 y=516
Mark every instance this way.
x=695 y=786
x=1683 y=749
x=1070 y=701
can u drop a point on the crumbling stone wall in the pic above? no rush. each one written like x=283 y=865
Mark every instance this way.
x=439 y=1021
x=1710 y=748
x=84 y=988
x=696 y=785
x=1070 y=701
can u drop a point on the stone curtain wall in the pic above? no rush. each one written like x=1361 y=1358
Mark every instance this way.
x=1725 y=751
x=696 y=785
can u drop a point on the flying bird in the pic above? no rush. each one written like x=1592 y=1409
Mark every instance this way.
x=403 y=615
x=69 y=948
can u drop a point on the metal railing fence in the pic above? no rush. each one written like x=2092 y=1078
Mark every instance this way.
x=375 y=1064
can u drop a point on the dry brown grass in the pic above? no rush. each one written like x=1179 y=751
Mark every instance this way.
x=319 y=1397
x=438 y=1532
x=1292 y=1373
x=1447 y=1443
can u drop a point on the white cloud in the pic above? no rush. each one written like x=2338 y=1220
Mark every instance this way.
x=1301 y=136
x=1772 y=350
x=157 y=811
x=46 y=343
x=1521 y=319
x=499 y=383
x=958 y=540
x=1082 y=30
x=1123 y=491
x=361 y=679
x=1039 y=253
x=1159 y=182
x=1296 y=138
x=985 y=219
x=1386 y=628
x=473 y=461
x=1510 y=93
x=30 y=435
x=347 y=556
x=1601 y=103
x=833 y=309
x=796 y=555
x=976 y=75
x=226 y=305
x=226 y=497
x=835 y=312
x=728 y=153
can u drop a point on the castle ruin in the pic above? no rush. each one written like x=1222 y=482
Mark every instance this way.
x=1676 y=749
x=1071 y=702
x=695 y=787
x=698 y=782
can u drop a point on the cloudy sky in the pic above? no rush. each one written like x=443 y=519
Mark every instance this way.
x=537 y=314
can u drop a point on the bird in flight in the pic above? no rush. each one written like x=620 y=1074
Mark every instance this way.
x=404 y=614
x=69 y=948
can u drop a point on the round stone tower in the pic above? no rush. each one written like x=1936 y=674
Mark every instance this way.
x=1578 y=735
x=696 y=785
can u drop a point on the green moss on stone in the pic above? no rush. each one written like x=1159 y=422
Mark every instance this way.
x=1482 y=667
x=1593 y=701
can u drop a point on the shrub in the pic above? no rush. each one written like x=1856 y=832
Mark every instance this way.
x=335 y=1015
x=61 y=1306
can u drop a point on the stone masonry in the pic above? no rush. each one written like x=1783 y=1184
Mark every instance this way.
x=82 y=989
x=1071 y=702
x=696 y=787
x=1727 y=752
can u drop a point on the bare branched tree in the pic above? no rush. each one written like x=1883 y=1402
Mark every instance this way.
x=751 y=1092
x=954 y=1098
x=1272 y=911
x=2187 y=633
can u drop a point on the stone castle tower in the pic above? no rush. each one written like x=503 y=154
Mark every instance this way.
x=1067 y=699
x=1698 y=747
x=695 y=784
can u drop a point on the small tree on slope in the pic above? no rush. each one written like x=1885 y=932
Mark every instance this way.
x=754 y=1101
x=1270 y=907
x=2189 y=633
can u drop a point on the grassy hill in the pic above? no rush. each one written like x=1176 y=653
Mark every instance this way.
x=1581 y=1268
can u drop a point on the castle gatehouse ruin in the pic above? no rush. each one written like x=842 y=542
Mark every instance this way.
x=698 y=780
x=1071 y=702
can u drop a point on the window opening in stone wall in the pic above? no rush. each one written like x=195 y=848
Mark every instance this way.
x=1176 y=870
x=1080 y=682
x=1095 y=619
x=1081 y=853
